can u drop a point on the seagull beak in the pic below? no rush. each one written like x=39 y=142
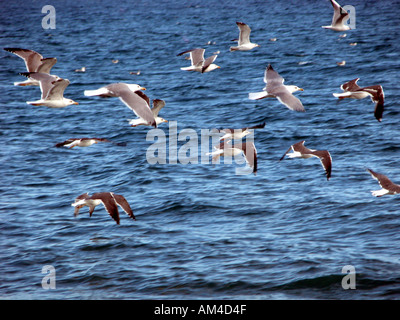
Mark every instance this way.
x=142 y=88
x=300 y=89
x=75 y=102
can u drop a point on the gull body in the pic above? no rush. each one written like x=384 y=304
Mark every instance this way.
x=52 y=88
x=110 y=200
x=388 y=187
x=198 y=63
x=226 y=149
x=131 y=95
x=276 y=89
x=351 y=90
x=300 y=151
x=244 y=43
x=34 y=62
x=339 y=17
x=158 y=104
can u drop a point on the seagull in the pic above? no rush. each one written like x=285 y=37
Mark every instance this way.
x=233 y=134
x=339 y=17
x=158 y=104
x=388 y=187
x=276 y=89
x=110 y=201
x=83 y=142
x=341 y=63
x=353 y=91
x=226 y=149
x=52 y=88
x=198 y=63
x=300 y=151
x=132 y=96
x=34 y=62
x=244 y=43
x=83 y=69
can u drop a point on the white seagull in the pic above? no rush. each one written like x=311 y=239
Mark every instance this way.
x=226 y=149
x=339 y=17
x=110 y=200
x=132 y=96
x=83 y=142
x=244 y=43
x=300 y=151
x=198 y=63
x=52 y=88
x=34 y=62
x=276 y=89
x=237 y=134
x=353 y=91
x=158 y=104
x=388 y=187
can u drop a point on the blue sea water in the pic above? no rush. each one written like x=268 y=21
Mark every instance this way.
x=202 y=231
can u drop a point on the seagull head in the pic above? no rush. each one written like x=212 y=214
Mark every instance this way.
x=294 y=88
x=135 y=87
x=70 y=101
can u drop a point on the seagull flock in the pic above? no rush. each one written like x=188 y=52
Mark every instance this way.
x=38 y=73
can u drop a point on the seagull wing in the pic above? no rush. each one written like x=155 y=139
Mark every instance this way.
x=158 y=104
x=123 y=203
x=351 y=85
x=208 y=62
x=287 y=98
x=272 y=78
x=31 y=58
x=377 y=96
x=196 y=56
x=45 y=80
x=138 y=102
x=250 y=153
x=244 y=34
x=339 y=14
x=109 y=204
x=384 y=181
x=57 y=91
x=46 y=65
x=326 y=161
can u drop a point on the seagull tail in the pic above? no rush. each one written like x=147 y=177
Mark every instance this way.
x=257 y=95
x=97 y=92
x=342 y=95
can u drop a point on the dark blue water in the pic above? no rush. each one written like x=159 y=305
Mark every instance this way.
x=202 y=232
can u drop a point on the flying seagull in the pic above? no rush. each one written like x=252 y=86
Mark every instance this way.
x=52 y=88
x=83 y=142
x=233 y=134
x=339 y=17
x=34 y=62
x=158 y=104
x=388 y=187
x=198 y=63
x=244 y=43
x=276 y=89
x=226 y=149
x=131 y=95
x=353 y=91
x=110 y=200
x=300 y=151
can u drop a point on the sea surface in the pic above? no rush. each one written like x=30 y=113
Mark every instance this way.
x=202 y=230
